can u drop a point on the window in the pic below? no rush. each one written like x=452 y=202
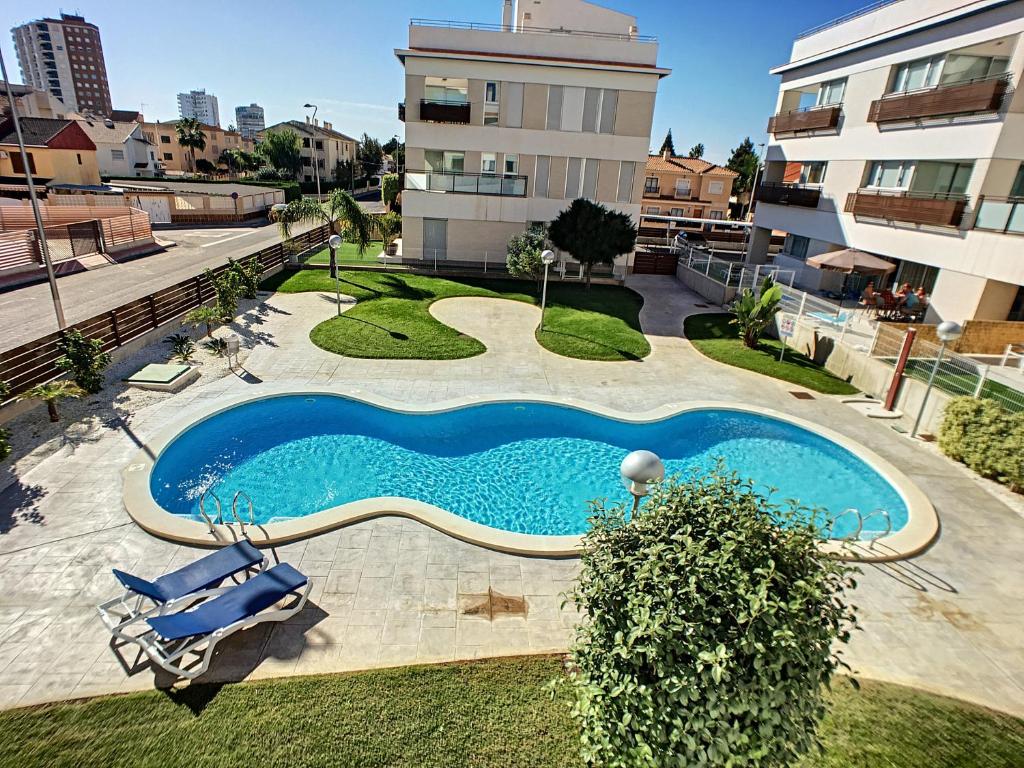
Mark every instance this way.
x=831 y=92
x=305 y=142
x=651 y=185
x=716 y=188
x=319 y=145
x=813 y=172
x=165 y=139
x=796 y=246
x=626 y=172
x=682 y=187
x=488 y=162
x=941 y=178
x=117 y=154
x=590 y=170
x=491 y=103
x=652 y=210
x=554 y=117
x=511 y=165
x=675 y=212
x=890 y=174
x=307 y=162
x=1017 y=190
x=573 y=177
x=542 y=176
x=491 y=93
x=168 y=156
x=716 y=215
x=921 y=73
x=18 y=165
x=78 y=155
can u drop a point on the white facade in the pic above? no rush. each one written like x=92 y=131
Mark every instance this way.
x=507 y=124
x=122 y=150
x=921 y=162
x=199 y=105
x=249 y=121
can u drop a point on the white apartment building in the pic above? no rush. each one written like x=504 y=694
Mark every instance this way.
x=122 y=149
x=249 y=121
x=506 y=124
x=899 y=131
x=199 y=105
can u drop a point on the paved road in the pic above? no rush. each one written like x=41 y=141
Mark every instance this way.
x=27 y=313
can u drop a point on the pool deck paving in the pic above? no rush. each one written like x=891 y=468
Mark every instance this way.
x=392 y=591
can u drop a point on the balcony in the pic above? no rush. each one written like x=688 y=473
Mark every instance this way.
x=778 y=193
x=969 y=97
x=466 y=183
x=1000 y=214
x=808 y=119
x=444 y=111
x=401 y=111
x=937 y=208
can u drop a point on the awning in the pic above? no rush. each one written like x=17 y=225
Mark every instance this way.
x=851 y=260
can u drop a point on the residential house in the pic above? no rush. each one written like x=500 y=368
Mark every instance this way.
x=320 y=139
x=122 y=149
x=175 y=159
x=32 y=102
x=506 y=124
x=684 y=186
x=59 y=151
x=898 y=132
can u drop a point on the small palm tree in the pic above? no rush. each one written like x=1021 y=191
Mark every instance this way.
x=202 y=316
x=340 y=212
x=754 y=313
x=51 y=393
x=191 y=136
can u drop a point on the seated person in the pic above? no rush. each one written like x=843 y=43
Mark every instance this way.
x=911 y=301
x=902 y=292
x=922 y=294
x=869 y=297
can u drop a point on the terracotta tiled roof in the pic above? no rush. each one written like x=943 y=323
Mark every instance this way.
x=656 y=163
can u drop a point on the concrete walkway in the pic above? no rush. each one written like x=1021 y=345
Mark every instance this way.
x=391 y=591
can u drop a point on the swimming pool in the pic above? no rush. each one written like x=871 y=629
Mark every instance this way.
x=520 y=467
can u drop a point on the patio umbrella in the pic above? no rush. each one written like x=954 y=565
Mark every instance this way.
x=848 y=261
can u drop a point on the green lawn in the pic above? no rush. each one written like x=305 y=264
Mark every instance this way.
x=349 y=254
x=392 y=318
x=714 y=336
x=483 y=714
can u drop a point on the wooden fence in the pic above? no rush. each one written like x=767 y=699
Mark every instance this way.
x=125 y=230
x=35 y=362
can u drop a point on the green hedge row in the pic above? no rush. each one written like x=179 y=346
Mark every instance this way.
x=985 y=437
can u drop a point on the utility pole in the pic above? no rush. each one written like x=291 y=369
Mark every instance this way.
x=44 y=248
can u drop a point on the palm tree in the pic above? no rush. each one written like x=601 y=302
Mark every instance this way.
x=51 y=393
x=191 y=136
x=339 y=211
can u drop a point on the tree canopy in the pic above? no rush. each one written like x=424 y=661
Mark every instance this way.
x=190 y=135
x=745 y=162
x=668 y=144
x=711 y=620
x=370 y=156
x=697 y=150
x=592 y=234
x=523 y=254
x=282 y=151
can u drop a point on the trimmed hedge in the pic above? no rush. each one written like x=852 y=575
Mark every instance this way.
x=985 y=437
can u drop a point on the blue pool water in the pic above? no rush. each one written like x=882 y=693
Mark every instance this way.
x=523 y=467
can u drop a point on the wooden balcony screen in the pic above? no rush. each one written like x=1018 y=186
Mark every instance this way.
x=965 y=98
x=937 y=211
x=820 y=118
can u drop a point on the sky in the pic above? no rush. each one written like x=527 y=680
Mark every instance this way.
x=339 y=55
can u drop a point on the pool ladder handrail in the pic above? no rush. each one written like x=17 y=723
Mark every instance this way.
x=861 y=520
x=234 y=510
x=202 y=508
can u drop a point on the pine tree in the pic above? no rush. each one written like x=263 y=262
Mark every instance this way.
x=744 y=161
x=667 y=144
x=697 y=151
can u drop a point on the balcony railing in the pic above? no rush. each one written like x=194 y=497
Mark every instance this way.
x=778 y=193
x=935 y=208
x=444 y=111
x=967 y=97
x=806 y=119
x=446 y=24
x=466 y=183
x=1000 y=214
x=401 y=111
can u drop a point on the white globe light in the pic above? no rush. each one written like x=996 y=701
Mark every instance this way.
x=639 y=469
x=947 y=330
x=334 y=241
x=548 y=257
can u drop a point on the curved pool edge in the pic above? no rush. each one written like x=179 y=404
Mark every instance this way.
x=917 y=534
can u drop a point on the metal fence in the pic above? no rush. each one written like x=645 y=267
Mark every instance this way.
x=955 y=374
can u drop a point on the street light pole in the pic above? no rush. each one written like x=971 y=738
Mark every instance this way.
x=548 y=257
x=40 y=230
x=947 y=331
x=312 y=150
x=333 y=242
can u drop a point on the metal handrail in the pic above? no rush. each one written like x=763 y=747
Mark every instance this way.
x=234 y=509
x=202 y=508
x=1006 y=76
x=448 y=24
x=812 y=108
x=845 y=18
x=912 y=194
x=452 y=102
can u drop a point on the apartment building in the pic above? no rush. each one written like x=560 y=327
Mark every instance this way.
x=199 y=105
x=65 y=58
x=684 y=186
x=322 y=142
x=506 y=124
x=174 y=158
x=899 y=131
x=31 y=102
x=249 y=120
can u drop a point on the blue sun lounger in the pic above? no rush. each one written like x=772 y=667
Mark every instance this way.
x=223 y=612
x=177 y=589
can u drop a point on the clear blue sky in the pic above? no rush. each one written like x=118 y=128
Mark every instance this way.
x=339 y=55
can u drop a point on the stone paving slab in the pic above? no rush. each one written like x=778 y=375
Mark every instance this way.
x=391 y=591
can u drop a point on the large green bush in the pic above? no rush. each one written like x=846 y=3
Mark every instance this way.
x=84 y=359
x=709 y=630
x=985 y=437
